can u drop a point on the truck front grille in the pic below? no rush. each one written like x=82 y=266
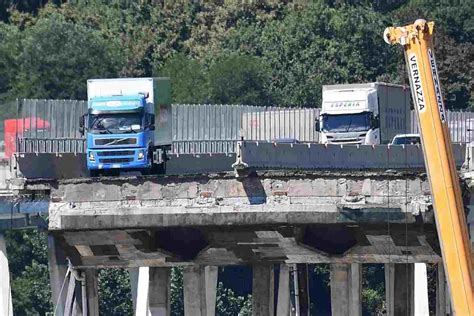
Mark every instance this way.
x=116 y=160
x=116 y=153
x=116 y=141
x=345 y=141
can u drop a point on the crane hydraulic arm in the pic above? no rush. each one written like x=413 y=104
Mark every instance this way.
x=416 y=40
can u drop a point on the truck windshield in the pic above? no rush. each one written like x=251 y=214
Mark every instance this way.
x=354 y=122
x=122 y=123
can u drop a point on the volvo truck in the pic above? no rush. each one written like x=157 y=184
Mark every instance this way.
x=365 y=114
x=128 y=124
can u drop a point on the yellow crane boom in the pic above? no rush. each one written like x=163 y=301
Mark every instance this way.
x=416 y=40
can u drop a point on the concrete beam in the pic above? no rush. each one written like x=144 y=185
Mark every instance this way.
x=263 y=290
x=92 y=292
x=199 y=200
x=399 y=289
x=57 y=274
x=6 y=307
x=346 y=289
x=159 y=291
x=200 y=285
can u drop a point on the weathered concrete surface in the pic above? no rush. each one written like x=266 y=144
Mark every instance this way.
x=346 y=289
x=279 y=217
x=159 y=291
x=263 y=289
x=399 y=289
x=199 y=287
x=6 y=307
x=283 y=299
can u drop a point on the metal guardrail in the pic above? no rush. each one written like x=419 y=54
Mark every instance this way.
x=60 y=145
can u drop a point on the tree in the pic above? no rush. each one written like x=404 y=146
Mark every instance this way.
x=115 y=296
x=9 y=49
x=28 y=263
x=229 y=304
x=58 y=57
x=238 y=79
x=303 y=52
x=188 y=82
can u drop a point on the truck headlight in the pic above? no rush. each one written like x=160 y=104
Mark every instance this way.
x=91 y=157
x=141 y=155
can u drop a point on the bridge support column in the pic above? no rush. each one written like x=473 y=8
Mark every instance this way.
x=57 y=275
x=6 y=307
x=346 y=289
x=133 y=274
x=283 y=300
x=139 y=280
x=200 y=285
x=263 y=288
x=92 y=292
x=399 y=286
x=159 y=291
x=443 y=306
x=420 y=299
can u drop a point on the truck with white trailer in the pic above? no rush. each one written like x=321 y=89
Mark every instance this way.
x=128 y=124
x=366 y=114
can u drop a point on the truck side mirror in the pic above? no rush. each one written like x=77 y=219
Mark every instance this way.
x=317 y=126
x=375 y=122
x=81 y=124
x=151 y=122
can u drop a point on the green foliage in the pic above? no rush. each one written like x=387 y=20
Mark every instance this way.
x=228 y=304
x=304 y=52
x=373 y=289
x=188 y=82
x=27 y=254
x=176 y=297
x=115 y=296
x=238 y=79
x=9 y=49
x=58 y=57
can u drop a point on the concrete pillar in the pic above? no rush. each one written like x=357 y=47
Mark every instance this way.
x=443 y=306
x=133 y=274
x=92 y=292
x=142 y=292
x=346 y=289
x=303 y=289
x=57 y=274
x=263 y=289
x=283 y=300
x=159 y=291
x=421 y=290
x=6 y=307
x=399 y=288
x=200 y=285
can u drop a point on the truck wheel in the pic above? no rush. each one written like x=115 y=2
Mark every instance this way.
x=94 y=173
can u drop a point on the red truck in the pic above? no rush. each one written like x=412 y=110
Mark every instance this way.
x=14 y=128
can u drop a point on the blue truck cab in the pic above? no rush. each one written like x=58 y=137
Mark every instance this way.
x=127 y=124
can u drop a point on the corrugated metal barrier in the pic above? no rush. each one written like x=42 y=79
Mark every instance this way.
x=52 y=126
